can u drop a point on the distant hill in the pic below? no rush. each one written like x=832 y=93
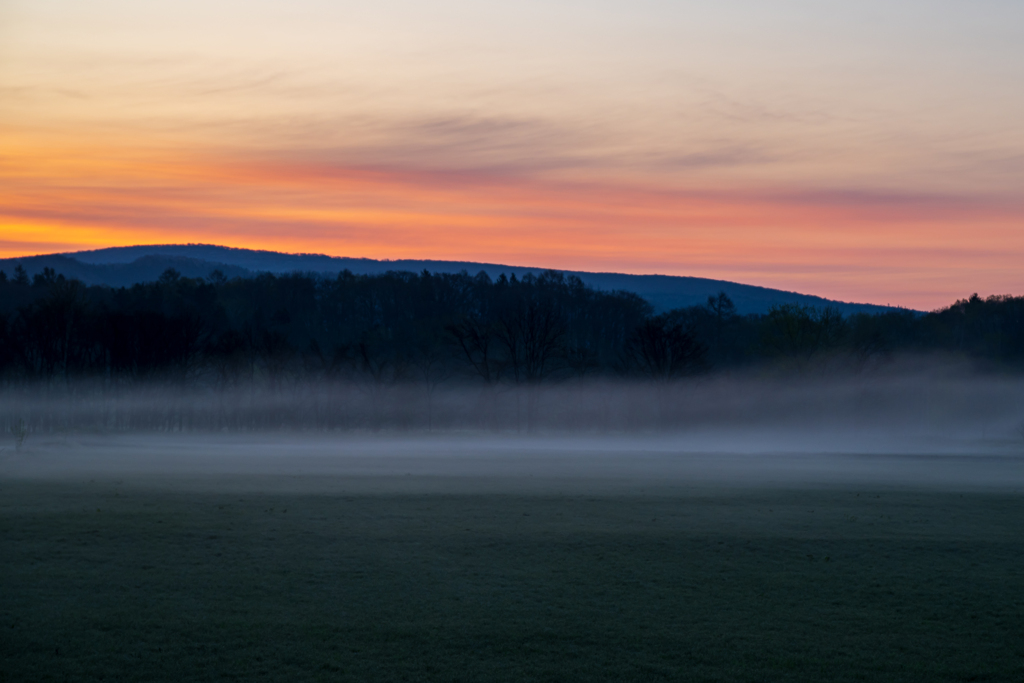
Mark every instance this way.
x=141 y=269
x=125 y=266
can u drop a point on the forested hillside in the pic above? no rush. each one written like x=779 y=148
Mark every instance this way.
x=126 y=266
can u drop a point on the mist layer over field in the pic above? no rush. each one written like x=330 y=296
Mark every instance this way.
x=954 y=430
x=863 y=527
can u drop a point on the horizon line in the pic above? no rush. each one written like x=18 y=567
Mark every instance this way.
x=71 y=254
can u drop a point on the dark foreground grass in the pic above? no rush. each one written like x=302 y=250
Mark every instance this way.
x=118 y=583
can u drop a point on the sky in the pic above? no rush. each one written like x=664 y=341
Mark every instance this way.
x=866 y=151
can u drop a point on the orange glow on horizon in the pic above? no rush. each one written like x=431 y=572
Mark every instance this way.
x=844 y=247
x=866 y=151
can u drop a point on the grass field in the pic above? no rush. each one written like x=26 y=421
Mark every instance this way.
x=124 y=581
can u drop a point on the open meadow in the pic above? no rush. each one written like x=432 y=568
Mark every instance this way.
x=509 y=559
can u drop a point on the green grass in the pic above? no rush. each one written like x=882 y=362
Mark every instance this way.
x=112 y=582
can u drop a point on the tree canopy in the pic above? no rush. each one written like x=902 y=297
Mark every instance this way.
x=437 y=328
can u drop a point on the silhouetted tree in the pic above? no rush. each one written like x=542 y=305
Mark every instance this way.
x=799 y=332
x=20 y=276
x=664 y=351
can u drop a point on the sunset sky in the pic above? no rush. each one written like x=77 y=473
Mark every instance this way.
x=867 y=151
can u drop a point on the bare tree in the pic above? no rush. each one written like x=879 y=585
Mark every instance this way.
x=531 y=334
x=474 y=337
x=664 y=351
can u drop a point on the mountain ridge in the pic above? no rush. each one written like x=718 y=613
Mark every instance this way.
x=125 y=266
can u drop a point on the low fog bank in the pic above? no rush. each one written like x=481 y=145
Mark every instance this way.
x=474 y=463
x=950 y=429
x=899 y=401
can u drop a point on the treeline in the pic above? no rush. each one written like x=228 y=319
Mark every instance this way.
x=438 y=329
